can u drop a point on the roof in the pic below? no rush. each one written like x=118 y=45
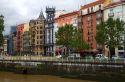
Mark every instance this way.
x=68 y=14
x=115 y=3
x=92 y=4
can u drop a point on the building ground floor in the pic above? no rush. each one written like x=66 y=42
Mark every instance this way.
x=119 y=51
x=49 y=50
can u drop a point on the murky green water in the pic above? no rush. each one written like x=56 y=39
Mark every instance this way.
x=12 y=77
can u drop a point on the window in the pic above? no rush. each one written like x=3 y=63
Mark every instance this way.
x=98 y=15
x=40 y=32
x=40 y=37
x=89 y=17
x=91 y=9
x=41 y=27
x=111 y=14
x=48 y=19
x=100 y=6
x=120 y=48
x=88 y=10
x=37 y=32
x=120 y=53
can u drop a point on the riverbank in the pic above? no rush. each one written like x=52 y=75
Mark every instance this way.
x=63 y=71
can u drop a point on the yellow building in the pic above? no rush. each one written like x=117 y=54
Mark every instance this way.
x=25 y=37
x=107 y=2
x=36 y=34
x=26 y=27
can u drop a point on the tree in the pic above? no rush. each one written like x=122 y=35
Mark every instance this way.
x=71 y=38
x=110 y=33
x=1 y=29
x=77 y=41
x=101 y=36
x=64 y=35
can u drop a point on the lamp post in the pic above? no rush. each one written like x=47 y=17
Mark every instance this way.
x=124 y=40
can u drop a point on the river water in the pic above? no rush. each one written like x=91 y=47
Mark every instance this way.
x=12 y=77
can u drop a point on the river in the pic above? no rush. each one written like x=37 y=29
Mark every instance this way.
x=12 y=77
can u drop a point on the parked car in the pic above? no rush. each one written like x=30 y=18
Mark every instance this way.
x=58 y=56
x=101 y=57
x=1 y=58
x=115 y=57
x=74 y=55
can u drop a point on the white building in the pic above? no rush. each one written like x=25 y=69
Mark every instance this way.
x=116 y=10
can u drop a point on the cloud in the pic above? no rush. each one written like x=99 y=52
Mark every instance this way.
x=22 y=11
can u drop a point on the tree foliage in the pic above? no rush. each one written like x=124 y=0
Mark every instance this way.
x=1 y=29
x=70 y=37
x=77 y=41
x=110 y=33
x=64 y=35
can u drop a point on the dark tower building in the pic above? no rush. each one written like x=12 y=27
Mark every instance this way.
x=49 y=32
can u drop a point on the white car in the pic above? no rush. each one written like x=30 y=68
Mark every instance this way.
x=1 y=58
x=74 y=55
x=115 y=57
x=101 y=57
x=59 y=56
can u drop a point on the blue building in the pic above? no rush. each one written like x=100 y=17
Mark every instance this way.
x=10 y=39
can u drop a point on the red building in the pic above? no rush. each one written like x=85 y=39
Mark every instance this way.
x=62 y=20
x=68 y=18
x=19 y=36
x=91 y=15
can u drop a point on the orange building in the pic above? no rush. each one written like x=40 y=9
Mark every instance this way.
x=91 y=15
x=68 y=18
x=107 y=2
x=19 y=35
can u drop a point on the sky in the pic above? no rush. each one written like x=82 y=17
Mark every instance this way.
x=22 y=11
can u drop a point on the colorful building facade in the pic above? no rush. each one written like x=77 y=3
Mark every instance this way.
x=116 y=10
x=25 y=36
x=68 y=18
x=19 y=38
x=36 y=35
x=10 y=40
x=91 y=14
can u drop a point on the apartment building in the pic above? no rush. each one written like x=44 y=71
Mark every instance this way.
x=19 y=39
x=36 y=35
x=26 y=49
x=91 y=14
x=116 y=9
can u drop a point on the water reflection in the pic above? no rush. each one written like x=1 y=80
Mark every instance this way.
x=12 y=77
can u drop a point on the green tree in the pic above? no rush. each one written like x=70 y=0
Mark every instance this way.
x=77 y=41
x=101 y=36
x=1 y=29
x=64 y=35
x=71 y=38
x=110 y=33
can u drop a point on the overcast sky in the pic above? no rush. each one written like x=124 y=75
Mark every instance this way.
x=21 y=11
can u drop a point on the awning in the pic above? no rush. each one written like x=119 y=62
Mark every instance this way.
x=92 y=50
x=58 y=49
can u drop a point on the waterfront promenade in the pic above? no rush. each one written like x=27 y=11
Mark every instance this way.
x=73 y=68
